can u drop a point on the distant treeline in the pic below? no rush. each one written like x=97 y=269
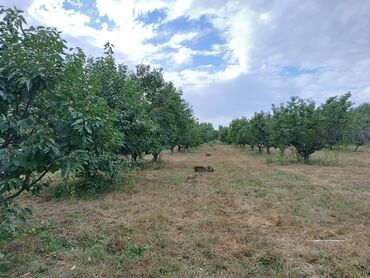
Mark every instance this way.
x=301 y=124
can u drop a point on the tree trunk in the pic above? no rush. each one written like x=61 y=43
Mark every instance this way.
x=259 y=149
x=252 y=147
x=155 y=157
x=268 y=150
x=172 y=149
x=282 y=150
x=306 y=157
x=356 y=148
x=134 y=157
x=179 y=148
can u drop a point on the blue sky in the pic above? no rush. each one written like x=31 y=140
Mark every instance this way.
x=231 y=58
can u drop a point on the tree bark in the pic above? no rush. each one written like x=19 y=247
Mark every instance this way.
x=259 y=149
x=268 y=150
x=306 y=158
x=156 y=157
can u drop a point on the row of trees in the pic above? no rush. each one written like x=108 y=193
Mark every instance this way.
x=302 y=125
x=61 y=111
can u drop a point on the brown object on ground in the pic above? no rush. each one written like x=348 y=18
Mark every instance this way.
x=210 y=169
x=276 y=220
x=191 y=179
x=203 y=169
x=200 y=169
x=208 y=154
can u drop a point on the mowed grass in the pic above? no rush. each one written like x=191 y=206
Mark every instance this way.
x=255 y=216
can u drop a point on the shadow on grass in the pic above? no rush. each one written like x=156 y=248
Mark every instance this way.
x=92 y=187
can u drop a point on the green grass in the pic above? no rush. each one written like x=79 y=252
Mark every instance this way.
x=249 y=218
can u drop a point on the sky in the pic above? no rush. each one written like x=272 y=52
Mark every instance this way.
x=231 y=58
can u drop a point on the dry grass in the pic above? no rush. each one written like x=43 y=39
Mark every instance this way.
x=252 y=217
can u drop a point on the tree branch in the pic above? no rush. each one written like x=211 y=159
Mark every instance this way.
x=25 y=186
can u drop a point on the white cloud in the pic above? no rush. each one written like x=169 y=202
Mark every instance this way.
x=177 y=39
x=183 y=56
x=128 y=35
x=261 y=37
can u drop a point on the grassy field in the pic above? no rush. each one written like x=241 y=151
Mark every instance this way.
x=255 y=216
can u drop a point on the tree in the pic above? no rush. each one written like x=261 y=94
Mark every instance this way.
x=124 y=95
x=207 y=132
x=304 y=129
x=260 y=128
x=223 y=134
x=197 y=134
x=50 y=120
x=336 y=117
x=359 y=133
x=279 y=128
x=240 y=133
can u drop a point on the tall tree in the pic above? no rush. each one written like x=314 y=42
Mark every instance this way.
x=359 y=132
x=50 y=120
x=260 y=128
x=304 y=129
x=335 y=119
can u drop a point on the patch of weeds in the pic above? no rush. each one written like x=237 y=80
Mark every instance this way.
x=315 y=258
x=40 y=231
x=268 y=263
x=166 y=268
x=172 y=179
x=323 y=161
x=215 y=267
x=87 y=239
x=256 y=187
x=96 y=253
x=339 y=205
x=134 y=252
x=159 y=240
x=285 y=158
x=248 y=254
x=87 y=187
x=154 y=165
x=259 y=192
x=361 y=267
x=283 y=176
x=55 y=245
x=12 y=219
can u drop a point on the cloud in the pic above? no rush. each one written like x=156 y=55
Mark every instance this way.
x=183 y=56
x=177 y=39
x=230 y=57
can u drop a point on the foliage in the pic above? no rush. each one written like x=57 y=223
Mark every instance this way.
x=302 y=125
x=61 y=112
x=260 y=130
x=336 y=119
x=359 y=133
x=224 y=134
